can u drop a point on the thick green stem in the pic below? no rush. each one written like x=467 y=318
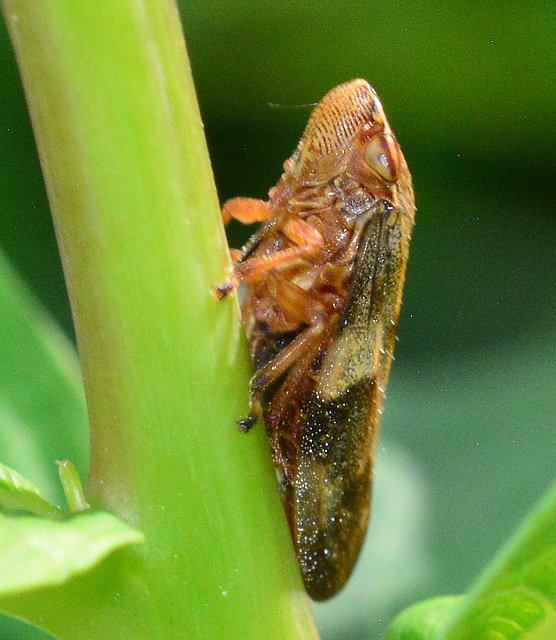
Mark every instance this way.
x=136 y=215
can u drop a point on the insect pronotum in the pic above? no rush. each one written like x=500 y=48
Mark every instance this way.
x=323 y=283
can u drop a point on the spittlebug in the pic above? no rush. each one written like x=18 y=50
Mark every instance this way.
x=323 y=283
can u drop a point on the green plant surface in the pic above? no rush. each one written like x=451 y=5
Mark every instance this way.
x=424 y=620
x=19 y=494
x=42 y=405
x=514 y=598
x=165 y=367
x=73 y=489
x=37 y=552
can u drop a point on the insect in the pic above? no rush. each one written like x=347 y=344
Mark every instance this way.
x=323 y=283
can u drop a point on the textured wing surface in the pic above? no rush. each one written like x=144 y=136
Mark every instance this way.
x=333 y=481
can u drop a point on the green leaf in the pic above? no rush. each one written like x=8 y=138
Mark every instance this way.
x=18 y=493
x=423 y=621
x=42 y=406
x=514 y=599
x=38 y=552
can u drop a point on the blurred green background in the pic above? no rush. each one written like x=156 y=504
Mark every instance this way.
x=469 y=437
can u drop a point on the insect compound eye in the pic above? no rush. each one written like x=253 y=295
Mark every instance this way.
x=382 y=154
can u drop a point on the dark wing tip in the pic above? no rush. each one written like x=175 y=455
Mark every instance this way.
x=332 y=489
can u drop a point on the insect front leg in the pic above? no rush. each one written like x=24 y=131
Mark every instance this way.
x=307 y=242
x=246 y=210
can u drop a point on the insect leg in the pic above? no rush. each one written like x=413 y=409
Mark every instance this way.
x=299 y=306
x=246 y=210
x=303 y=309
x=308 y=241
x=296 y=350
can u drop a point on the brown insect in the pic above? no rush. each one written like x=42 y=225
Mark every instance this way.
x=323 y=285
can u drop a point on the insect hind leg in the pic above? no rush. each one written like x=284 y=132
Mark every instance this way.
x=287 y=357
x=248 y=423
x=265 y=377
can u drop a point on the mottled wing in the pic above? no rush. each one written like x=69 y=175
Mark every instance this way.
x=332 y=486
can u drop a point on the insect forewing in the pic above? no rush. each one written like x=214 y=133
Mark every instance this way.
x=333 y=482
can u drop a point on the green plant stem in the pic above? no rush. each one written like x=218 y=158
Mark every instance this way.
x=165 y=368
